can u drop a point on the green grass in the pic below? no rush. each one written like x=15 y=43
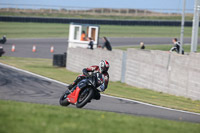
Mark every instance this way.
x=19 y=117
x=41 y=66
x=159 y=47
x=87 y=16
x=48 y=30
x=33 y=30
x=44 y=67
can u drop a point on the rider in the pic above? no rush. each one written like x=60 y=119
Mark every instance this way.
x=102 y=68
x=176 y=47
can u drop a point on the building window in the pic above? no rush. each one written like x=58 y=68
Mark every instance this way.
x=76 y=33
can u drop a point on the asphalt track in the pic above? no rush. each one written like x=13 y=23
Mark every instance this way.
x=22 y=86
x=24 y=46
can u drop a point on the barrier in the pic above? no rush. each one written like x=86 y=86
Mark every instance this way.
x=156 y=70
x=79 y=58
x=164 y=72
x=59 y=60
x=94 y=21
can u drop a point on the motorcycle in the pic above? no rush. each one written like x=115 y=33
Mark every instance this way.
x=3 y=40
x=83 y=92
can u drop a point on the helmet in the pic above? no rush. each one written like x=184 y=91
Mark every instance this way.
x=104 y=66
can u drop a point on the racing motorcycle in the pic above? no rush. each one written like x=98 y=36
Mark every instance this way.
x=83 y=92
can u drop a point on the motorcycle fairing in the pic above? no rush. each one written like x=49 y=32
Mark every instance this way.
x=73 y=97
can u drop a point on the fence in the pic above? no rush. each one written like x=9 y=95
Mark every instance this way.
x=94 y=21
x=157 y=70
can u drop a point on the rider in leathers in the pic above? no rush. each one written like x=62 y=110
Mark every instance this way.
x=177 y=46
x=102 y=68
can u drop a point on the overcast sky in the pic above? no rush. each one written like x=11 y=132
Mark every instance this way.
x=149 y=4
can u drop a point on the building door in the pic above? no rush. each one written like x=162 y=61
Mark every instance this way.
x=93 y=34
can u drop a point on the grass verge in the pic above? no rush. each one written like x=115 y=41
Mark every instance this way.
x=44 y=67
x=31 y=118
x=96 y=16
x=166 y=47
x=45 y=30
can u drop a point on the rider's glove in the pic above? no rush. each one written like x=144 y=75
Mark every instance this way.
x=101 y=88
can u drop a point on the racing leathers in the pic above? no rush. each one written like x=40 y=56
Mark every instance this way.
x=177 y=48
x=86 y=72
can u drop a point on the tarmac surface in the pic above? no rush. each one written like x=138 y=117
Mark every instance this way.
x=23 y=47
x=21 y=86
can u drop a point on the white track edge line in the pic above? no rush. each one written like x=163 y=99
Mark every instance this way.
x=12 y=67
x=148 y=104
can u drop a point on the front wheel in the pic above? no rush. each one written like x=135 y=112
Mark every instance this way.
x=84 y=97
x=63 y=101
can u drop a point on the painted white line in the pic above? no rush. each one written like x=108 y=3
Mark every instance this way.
x=156 y=106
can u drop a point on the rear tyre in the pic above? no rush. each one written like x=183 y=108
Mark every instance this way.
x=63 y=101
x=84 y=97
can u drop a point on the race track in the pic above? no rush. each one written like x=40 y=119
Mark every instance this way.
x=24 y=46
x=21 y=86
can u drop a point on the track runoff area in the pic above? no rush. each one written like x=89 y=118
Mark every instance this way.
x=20 y=85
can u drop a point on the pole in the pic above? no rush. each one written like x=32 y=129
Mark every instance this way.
x=195 y=27
x=182 y=27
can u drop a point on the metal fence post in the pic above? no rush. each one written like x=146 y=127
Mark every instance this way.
x=182 y=27
x=195 y=27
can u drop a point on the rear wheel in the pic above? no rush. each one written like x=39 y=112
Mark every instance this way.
x=84 y=97
x=63 y=101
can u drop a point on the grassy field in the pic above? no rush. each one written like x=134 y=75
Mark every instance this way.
x=159 y=47
x=100 y=16
x=44 y=67
x=19 y=117
x=47 y=30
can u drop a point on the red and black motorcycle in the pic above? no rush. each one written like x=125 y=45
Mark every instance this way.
x=83 y=92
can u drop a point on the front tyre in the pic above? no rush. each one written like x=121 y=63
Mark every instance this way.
x=84 y=97
x=63 y=101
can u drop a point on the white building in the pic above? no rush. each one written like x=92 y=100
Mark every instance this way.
x=79 y=34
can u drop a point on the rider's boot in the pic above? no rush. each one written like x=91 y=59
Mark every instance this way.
x=70 y=86
x=79 y=78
